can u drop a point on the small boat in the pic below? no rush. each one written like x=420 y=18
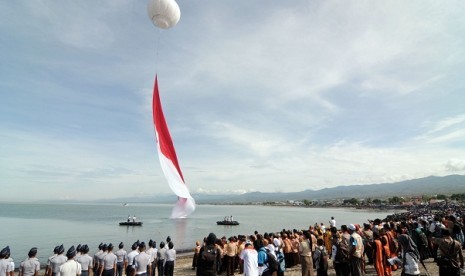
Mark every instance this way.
x=227 y=222
x=131 y=223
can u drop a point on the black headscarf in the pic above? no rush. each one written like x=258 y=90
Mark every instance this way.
x=408 y=246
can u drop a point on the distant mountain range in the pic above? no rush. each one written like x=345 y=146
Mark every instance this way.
x=416 y=187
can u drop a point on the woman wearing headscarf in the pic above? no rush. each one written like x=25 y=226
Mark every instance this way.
x=410 y=255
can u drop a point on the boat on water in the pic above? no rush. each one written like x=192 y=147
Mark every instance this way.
x=131 y=223
x=227 y=222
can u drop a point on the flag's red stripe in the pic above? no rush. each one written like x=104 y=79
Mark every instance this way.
x=164 y=137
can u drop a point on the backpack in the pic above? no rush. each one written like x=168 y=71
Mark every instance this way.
x=271 y=261
x=208 y=256
x=281 y=261
x=323 y=265
x=437 y=231
x=342 y=251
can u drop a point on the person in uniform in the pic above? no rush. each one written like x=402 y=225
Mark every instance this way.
x=30 y=266
x=101 y=257
x=95 y=260
x=5 y=264
x=56 y=262
x=121 y=259
x=131 y=256
x=109 y=262
x=55 y=253
x=142 y=263
x=161 y=258
x=78 y=251
x=152 y=251
x=170 y=258
x=70 y=267
x=85 y=260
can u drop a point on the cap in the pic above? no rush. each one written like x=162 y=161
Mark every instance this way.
x=71 y=252
x=351 y=227
x=5 y=251
x=32 y=252
x=121 y=245
x=61 y=249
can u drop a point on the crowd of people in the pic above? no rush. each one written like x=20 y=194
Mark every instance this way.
x=140 y=261
x=401 y=241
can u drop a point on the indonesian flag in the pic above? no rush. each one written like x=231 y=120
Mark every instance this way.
x=169 y=162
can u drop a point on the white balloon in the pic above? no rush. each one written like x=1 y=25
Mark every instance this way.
x=164 y=13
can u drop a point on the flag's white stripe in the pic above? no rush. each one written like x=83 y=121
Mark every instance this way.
x=185 y=204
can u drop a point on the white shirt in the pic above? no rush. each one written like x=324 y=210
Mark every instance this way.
x=250 y=257
x=70 y=268
x=4 y=267
x=29 y=266
x=141 y=262
x=332 y=222
x=131 y=257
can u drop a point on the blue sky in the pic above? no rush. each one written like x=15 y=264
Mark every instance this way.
x=282 y=96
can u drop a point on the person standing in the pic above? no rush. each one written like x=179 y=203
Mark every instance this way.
x=161 y=258
x=305 y=251
x=70 y=267
x=109 y=262
x=55 y=253
x=56 y=262
x=410 y=256
x=170 y=258
x=356 y=251
x=30 y=266
x=85 y=260
x=451 y=250
x=250 y=257
x=230 y=256
x=196 y=255
x=320 y=259
x=152 y=251
x=121 y=259
x=142 y=263
x=131 y=256
x=5 y=267
x=208 y=257
x=96 y=257
x=332 y=222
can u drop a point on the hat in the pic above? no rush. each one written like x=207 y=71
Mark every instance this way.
x=110 y=246
x=134 y=246
x=276 y=242
x=100 y=245
x=61 y=249
x=351 y=227
x=78 y=248
x=55 y=250
x=121 y=245
x=248 y=243
x=85 y=248
x=71 y=252
x=104 y=247
x=32 y=252
x=5 y=252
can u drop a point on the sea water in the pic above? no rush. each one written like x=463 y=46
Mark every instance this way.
x=44 y=226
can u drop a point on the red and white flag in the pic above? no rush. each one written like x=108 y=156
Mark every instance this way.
x=169 y=162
